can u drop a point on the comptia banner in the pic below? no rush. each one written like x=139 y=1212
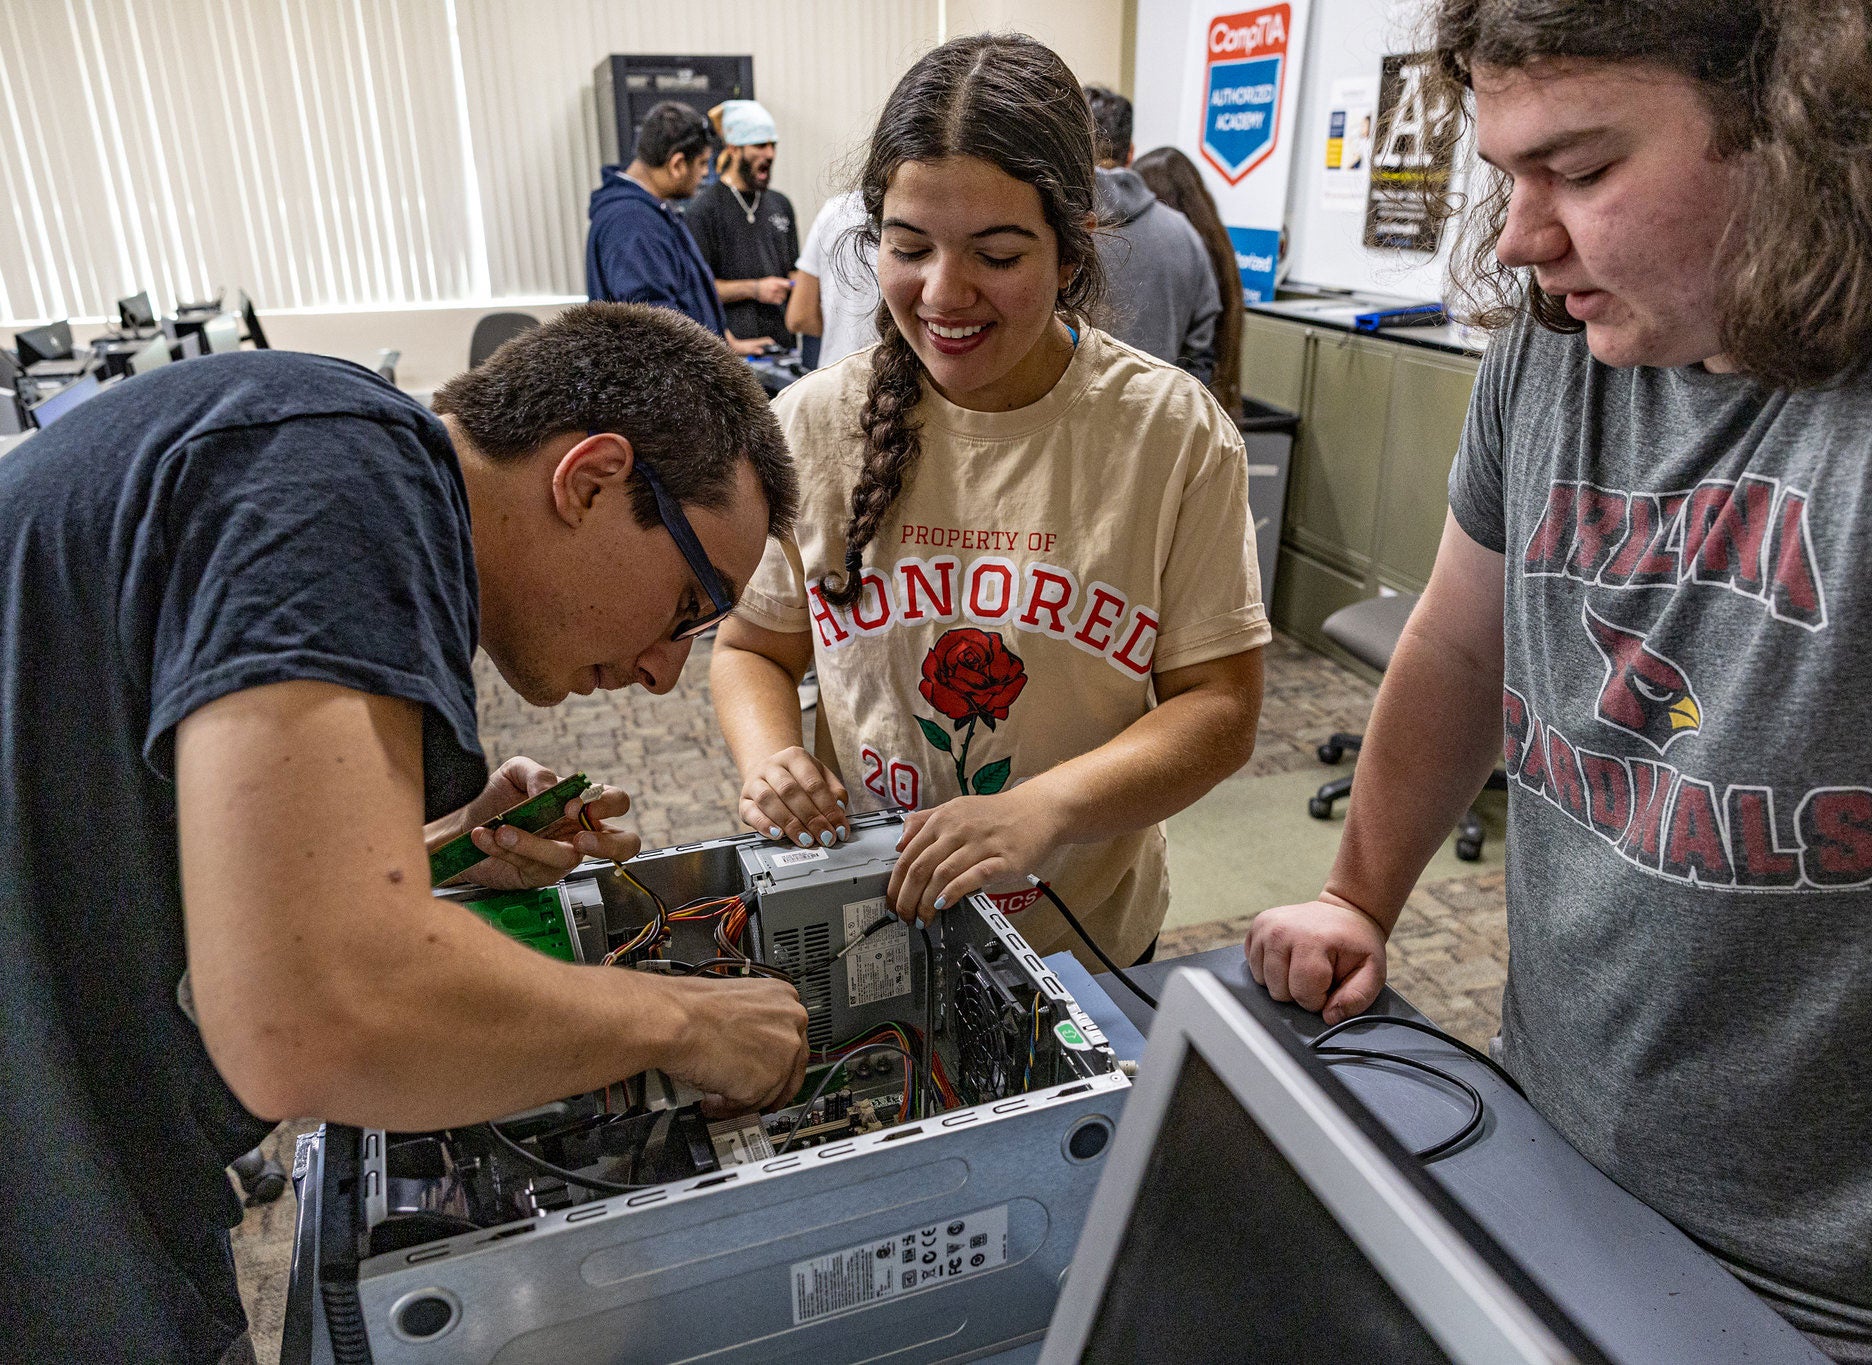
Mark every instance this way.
x=1245 y=66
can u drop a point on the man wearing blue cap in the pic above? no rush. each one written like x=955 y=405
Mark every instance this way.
x=747 y=230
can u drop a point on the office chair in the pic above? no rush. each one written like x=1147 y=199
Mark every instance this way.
x=1369 y=631
x=492 y=330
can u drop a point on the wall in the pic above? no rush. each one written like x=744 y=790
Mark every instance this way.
x=1091 y=36
x=1348 y=38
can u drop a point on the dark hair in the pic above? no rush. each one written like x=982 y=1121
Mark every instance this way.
x=1111 y=122
x=1785 y=82
x=1007 y=100
x=671 y=128
x=1174 y=179
x=670 y=387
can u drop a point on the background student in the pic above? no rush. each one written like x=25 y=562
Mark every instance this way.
x=1174 y=179
x=1161 y=294
x=747 y=229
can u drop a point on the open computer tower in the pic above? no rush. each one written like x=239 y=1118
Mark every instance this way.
x=920 y=1198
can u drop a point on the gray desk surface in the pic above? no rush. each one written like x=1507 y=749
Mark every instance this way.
x=1336 y=314
x=1641 y=1289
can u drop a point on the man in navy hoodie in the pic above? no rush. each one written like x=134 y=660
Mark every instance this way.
x=639 y=250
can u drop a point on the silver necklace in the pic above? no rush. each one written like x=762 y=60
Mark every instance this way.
x=749 y=209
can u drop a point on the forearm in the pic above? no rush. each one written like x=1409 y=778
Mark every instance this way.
x=756 y=703
x=1160 y=764
x=1433 y=739
x=446 y=1021
x=737 y=291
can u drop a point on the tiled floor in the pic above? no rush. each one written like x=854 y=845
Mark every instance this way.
x=1448 y=955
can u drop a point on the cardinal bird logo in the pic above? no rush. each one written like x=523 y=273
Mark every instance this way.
x=1644 y=694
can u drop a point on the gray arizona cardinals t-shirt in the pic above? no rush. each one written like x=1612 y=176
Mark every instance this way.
x=1688 y=734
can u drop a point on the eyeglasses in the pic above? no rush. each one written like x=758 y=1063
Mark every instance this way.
x=677 y=524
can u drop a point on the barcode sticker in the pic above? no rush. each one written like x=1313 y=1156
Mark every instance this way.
x=893 y=1266
x=800 y=855
x=879 y=968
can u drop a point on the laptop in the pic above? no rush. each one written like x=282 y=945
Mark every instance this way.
x=136 y=315
x=49 y=410
x=1252 y=1210
x=46 y=352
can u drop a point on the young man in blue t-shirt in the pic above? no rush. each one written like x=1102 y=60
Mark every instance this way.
x=1650 y=602
x=241 y=600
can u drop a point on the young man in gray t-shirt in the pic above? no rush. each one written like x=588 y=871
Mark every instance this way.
x=1649 y=603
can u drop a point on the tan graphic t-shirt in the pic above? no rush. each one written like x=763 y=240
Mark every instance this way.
x=1040 y=566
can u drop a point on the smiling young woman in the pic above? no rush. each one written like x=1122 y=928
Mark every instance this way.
x=1025 y=568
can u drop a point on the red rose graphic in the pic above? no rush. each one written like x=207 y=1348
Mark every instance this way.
x=969 y=675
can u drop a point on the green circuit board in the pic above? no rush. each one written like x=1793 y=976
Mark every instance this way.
x=536 y=918
x=532 y=815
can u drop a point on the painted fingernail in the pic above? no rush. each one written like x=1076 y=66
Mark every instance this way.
x=508 y=837
x=843 y=834
x=842 y=806
x=586 y=843
x=773 y=831
x=942 y=902
x=827 y=838
x=805 y=841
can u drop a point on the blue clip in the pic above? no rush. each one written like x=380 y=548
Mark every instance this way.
x=1418 y=315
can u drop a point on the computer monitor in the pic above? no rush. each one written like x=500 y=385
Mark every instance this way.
x=221 y=333
x=1251 y=1210
x=250 y=320
x=135 y=313
x=15 y=390
x=151 y=356
x=49 y=410
x=50 y=342
x=189 y=344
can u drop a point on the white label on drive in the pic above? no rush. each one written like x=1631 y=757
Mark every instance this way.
x=902 y=1264
x=800 y=855
x=879 y=968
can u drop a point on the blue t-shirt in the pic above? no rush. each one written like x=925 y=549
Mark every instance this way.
x=640 y=250
x=209 y=527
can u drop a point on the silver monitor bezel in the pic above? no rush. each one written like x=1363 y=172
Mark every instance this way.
x=1461 y=1301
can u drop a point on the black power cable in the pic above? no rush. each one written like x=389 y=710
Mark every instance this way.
x=1435 y=1149
x=924 y=1086
x=540 y=1163
x=1421 y=1027
x=1092 y=943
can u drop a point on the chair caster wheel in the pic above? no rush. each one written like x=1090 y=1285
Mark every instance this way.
x=1330 y=753
x=1318 y=809
x=1469 y=850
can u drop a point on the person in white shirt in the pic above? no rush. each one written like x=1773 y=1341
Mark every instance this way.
x=835 y=296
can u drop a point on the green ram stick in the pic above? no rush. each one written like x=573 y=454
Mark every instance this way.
x=532 y=815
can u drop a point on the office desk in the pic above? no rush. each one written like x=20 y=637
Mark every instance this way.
x=1640 y=1288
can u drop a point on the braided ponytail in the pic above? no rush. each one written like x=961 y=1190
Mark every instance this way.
x=1006 y=100
x=892 y=445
